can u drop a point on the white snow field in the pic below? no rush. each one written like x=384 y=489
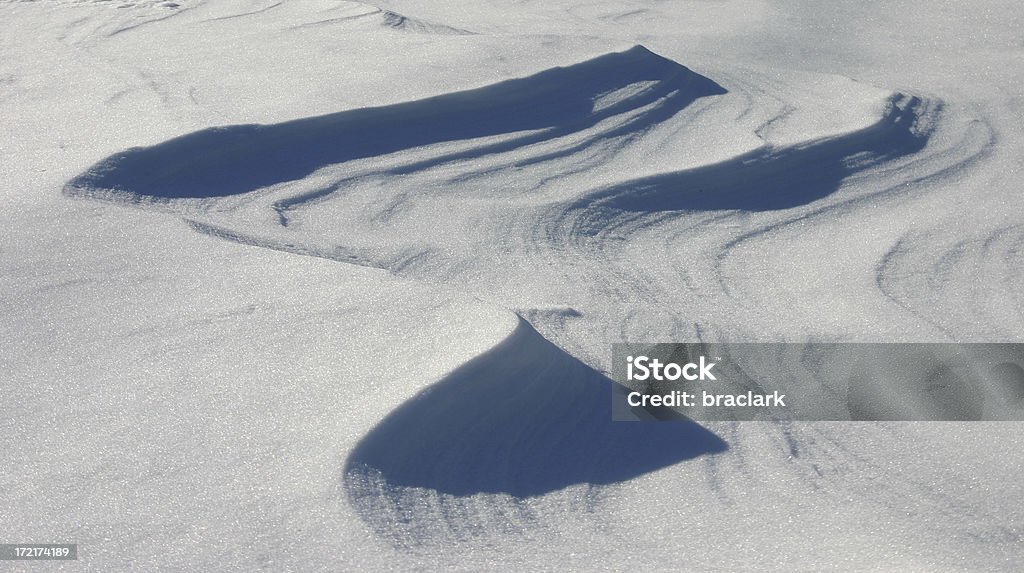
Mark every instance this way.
x=319 y=285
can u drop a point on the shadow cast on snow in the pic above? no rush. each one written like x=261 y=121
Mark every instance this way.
x=523 y=419
x=235 y=159
x=773 y=178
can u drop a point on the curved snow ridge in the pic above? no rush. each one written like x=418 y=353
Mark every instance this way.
x=236 y=159
x=339 y=253
x=405 y=23
x=935 y=277
x=769 y=178
x=909 y=185
x=348 y=13
x=521 y=420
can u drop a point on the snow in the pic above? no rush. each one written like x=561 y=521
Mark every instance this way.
x=324 y=285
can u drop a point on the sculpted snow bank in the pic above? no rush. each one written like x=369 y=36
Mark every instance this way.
x=521 y=420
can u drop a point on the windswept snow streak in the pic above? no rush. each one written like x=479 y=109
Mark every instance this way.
x=400 y=22
x=929 y=263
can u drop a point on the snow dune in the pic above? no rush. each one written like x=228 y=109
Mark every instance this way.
x=523 y=419
x=600 y=186
x=237 y=159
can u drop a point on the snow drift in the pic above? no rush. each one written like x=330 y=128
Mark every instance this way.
x=523 y=419
x=236 y=159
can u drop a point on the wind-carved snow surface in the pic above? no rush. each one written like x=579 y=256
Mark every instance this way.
x=538 y=181
x=433 y=274
x=508 y=185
